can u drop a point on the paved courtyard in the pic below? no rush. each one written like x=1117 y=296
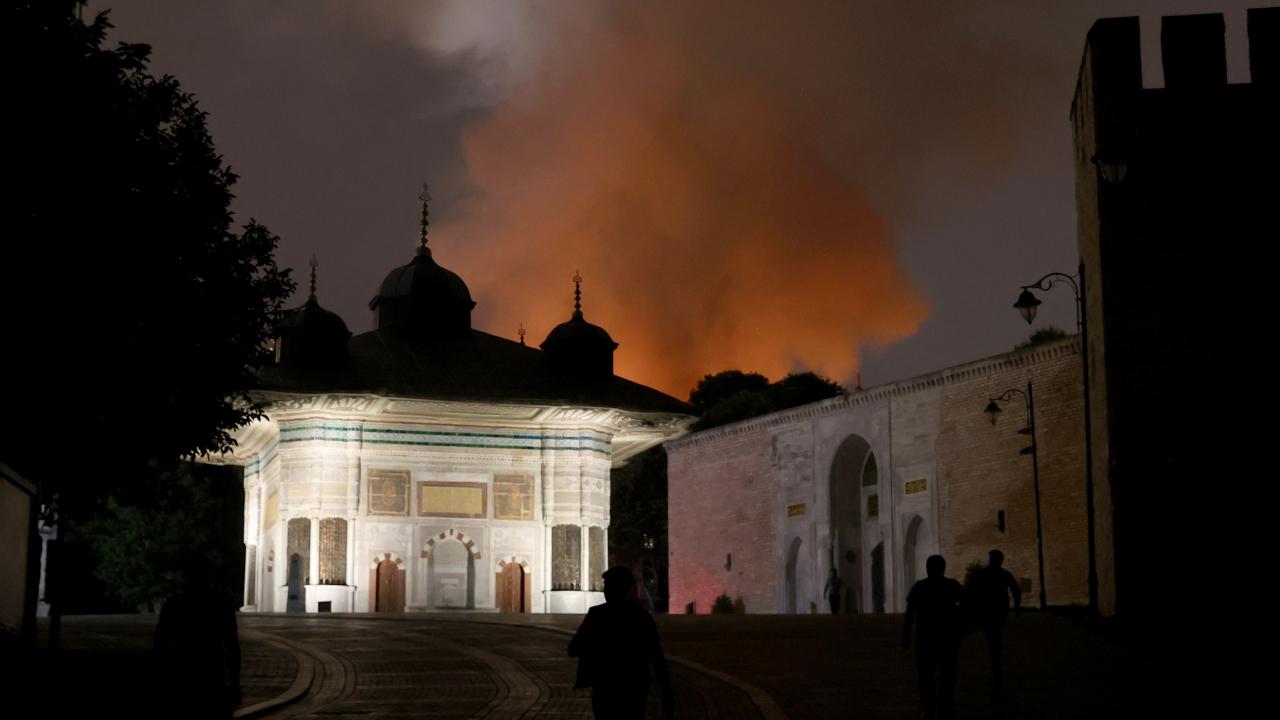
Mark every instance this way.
x=494 y=666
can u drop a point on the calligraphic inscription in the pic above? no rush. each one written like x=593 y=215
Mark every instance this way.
x=513 y=497
x=796 y=510
x=452 y=499
x=271 y=513
x=566 y=557
x=916 y=486
x=388 y=492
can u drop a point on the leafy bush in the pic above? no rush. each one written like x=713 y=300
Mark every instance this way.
x=723 y=605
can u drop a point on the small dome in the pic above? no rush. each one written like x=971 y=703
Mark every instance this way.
x=424 y=295
x=578 y=348
x=579 y=330
x=312 y=336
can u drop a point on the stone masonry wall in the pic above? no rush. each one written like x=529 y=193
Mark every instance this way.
x=945 y=467
x=981 y=472
x=721 y=507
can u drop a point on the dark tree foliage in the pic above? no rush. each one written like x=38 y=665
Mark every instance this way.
x=732 y=395
x=136 y=312
x=714 y=389
x=638 y=513
x=143 y=537
x=801 y=389
x=1042 y=336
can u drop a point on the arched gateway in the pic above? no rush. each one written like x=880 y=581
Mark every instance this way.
x=852 y=469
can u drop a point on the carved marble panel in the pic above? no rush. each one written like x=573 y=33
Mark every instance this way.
x=388 y=492
x=513 y=497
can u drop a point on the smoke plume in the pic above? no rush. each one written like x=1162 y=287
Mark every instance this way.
x=717 y=173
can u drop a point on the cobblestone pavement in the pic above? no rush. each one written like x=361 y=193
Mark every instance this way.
x=483 y=665
x=438 y=668
x=854 y=666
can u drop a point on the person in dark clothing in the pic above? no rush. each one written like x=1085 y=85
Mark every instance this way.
x=832 y=591
x=993 y=586
x=933 y=607
x=615 y=646
x=198 y=645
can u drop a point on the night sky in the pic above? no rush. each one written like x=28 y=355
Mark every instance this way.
x=742 y=185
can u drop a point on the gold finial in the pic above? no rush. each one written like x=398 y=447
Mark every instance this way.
x=520 y=332
x=425 y=197
x=314 y=264
x=577 y=294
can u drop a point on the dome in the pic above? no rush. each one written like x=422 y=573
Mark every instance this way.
x=423 y=295
x=579 y=330
x=578 y=348
x=311 y=336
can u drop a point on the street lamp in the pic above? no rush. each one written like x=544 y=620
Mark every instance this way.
x=993 y=413
x=1026 y=305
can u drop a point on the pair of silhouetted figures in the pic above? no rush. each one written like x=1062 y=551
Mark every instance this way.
x=615 y=646
x=937 y=608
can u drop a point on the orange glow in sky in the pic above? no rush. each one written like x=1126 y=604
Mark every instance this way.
x=700 y=200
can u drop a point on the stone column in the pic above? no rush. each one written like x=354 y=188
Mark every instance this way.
x=544 y=568
x=584 y=557
x=250 y=568
x=604 y=549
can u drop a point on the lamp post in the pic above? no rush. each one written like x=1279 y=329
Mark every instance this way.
x=993 y=413
x=1027 y=304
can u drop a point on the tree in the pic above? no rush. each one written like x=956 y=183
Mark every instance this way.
x=732 y=395
x=801 y=389
x=143 y=539
x=718 y=388
x=1042 y=336
x=638 y=520
x=136 y=313
x=139 y=313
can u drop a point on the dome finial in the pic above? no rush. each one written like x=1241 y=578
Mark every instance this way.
x=577 y=294
x=520 y=332
x=425 y=197
x=314 y=264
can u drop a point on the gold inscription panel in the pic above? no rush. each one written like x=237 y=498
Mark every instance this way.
x=389 y=492
x=513 y=497
x=796 y=510
x=916 y=486
x=271 y=513
x=452 y=499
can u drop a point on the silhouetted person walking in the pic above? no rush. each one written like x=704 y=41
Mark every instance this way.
x=933 y=606
x=832 y=591
x=616 y=644
x=993 y=586
x=199 y=646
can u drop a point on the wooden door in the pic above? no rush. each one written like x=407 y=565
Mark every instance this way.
x=512 y=590
x=390 y=588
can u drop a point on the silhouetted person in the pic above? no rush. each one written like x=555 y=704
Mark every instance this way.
x=832 y=591
x=199 y=646
x=616 y=644
x=992 y=588
x=933 y=606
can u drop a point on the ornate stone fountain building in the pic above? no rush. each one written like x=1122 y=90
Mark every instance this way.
x=426 y=465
